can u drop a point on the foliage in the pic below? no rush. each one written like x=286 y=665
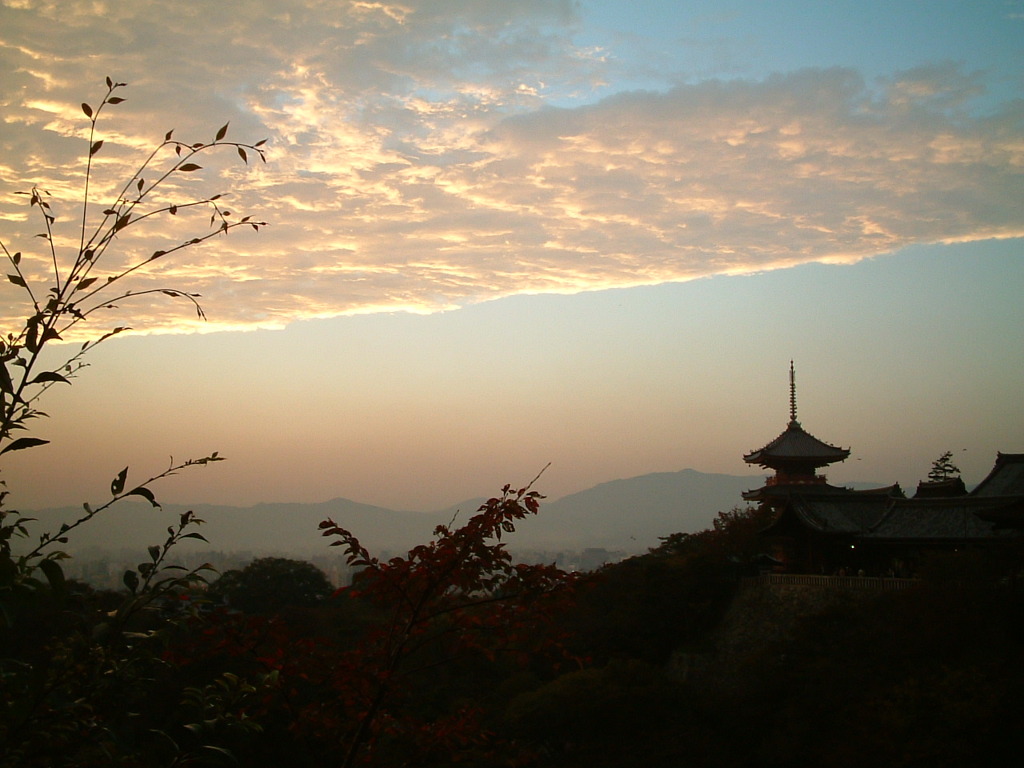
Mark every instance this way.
x=608 y=704
x=74 y=287
x=269 y=584
x=732 y=539
x=387 y=672
x=454 y=599
x=77 y=291
x=77 y=670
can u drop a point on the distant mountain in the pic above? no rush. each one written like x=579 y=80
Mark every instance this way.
x=632 y=514
x=287 y=528
x=626 y=515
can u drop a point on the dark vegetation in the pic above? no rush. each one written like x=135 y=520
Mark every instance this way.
x=455 y=654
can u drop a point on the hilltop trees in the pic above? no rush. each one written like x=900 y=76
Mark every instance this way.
x=269 y=584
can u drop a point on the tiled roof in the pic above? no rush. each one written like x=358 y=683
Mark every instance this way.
x=948 y=519
x=879 y=517
x=1006 y=477
x=841 y=514
x=796 y=443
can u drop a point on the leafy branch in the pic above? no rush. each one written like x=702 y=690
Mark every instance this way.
x=75 y=292
x=461 y=590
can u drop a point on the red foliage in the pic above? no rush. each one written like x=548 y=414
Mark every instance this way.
x=410 y=642
x=459 y=596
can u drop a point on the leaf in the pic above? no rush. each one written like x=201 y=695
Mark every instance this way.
x=46 y=376
x=167 y=136
x=241 y=154
x=17 y=280
x=189 y=167
x=115 y=100
x=32 y=334
x=223 y=131
x=85 y=282
x=87 y=109
x=117 y=484
x=54 y=574
x=6 y=384
x=110 y=83
x=154 y=553
x=131 y=580
x=16 y=258
x=24 y=442
x=95 y=147
x=144 y=493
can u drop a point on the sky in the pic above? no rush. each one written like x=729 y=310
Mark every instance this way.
x=506 y=234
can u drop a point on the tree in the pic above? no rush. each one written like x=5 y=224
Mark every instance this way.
x=68 y=697
x=64 y=290
x=459 y=597
x=269 y=584
x=943 y=468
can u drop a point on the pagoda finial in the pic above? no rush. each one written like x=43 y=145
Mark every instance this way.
x=792 y=393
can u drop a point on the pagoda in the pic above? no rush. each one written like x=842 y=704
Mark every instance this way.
x=821 y=529
x=795 y=456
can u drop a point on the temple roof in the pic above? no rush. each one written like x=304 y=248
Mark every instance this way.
x=955 y=519
x=849 y=513
x=994 y=510
x=1006 y=477
x=796 y=445
x=876 y=517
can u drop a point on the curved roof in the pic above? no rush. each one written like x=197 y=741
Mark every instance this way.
x=850 y=513
x=1006 y=477
x=796 y=445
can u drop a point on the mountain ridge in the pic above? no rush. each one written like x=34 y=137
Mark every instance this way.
x=628 y=514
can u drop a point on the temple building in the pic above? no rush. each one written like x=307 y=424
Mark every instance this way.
x=825 y=529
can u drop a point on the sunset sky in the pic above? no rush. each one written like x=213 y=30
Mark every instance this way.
x=506 y=233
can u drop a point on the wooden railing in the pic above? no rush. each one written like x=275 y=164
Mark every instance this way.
x=835 y=582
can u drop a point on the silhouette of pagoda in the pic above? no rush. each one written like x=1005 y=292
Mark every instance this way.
x=795 y=456
x=819 y=528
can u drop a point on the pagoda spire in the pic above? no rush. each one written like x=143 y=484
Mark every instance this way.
x=795 y=455
x=792 y=394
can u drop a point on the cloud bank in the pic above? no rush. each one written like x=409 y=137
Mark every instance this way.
x=416 y=162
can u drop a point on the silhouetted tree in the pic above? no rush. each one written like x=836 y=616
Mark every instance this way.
x=269 y=584
x=943 y=468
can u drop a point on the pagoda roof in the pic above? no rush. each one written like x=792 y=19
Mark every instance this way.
x=796 y=445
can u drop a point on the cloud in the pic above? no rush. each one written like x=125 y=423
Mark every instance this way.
x=416 y=163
